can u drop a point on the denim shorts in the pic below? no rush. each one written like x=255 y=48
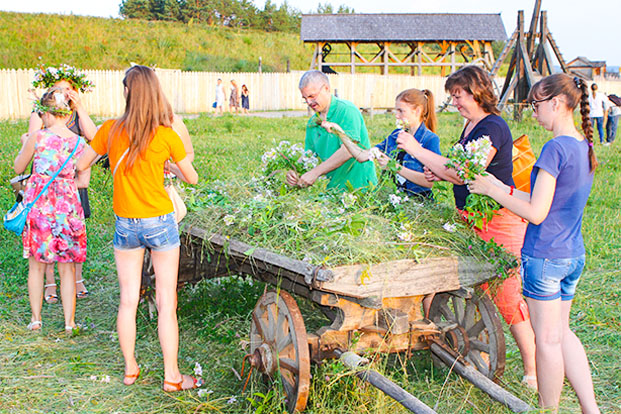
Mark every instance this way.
x=156 y=233
x=550 y=279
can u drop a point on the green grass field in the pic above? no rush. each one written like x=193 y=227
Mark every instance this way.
x=50 y=372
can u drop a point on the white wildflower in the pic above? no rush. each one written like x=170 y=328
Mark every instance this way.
x=402 y=123
x=405 y=236
x=450 y=227
x=52 y=70
x=308 y=258
x=202 y=393
x=229 y=219
x=348 y=199
x=106 y=379
x=93 y=377
x=375 y=154
x=394 y=199
x=198 y=370
x=259 y=198
x=231 y=400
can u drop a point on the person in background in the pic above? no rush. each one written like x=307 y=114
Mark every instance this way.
x=613 y=111
x=139 y=146
x=55 y=230
x=597 y=103
x=553 y=255
x=245 y=99
x=473 y=95
x=234 y=97
x=336 y=162
x=70 y=82
x=220 y=97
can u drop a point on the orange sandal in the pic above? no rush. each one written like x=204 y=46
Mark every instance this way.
x=178 y=386
x=133 y=377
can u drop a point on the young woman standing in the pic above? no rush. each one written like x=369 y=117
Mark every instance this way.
x=553 y=252
x=139 y=145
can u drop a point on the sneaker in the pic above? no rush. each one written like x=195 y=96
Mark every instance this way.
x=606 y=144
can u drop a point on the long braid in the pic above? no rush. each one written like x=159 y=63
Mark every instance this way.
x=587 y=126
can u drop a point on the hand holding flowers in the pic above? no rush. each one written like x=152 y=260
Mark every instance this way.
x=408 y=143
x=470 y=161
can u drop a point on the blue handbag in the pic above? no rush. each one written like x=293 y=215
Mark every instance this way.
x=15 y=219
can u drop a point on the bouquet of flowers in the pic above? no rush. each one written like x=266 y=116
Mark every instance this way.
x=469 y=161
x=287 y=156
x=47 y=77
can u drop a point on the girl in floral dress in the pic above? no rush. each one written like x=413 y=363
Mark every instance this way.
x=55 y=230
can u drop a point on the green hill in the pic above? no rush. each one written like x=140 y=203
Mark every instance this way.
x=100 y=43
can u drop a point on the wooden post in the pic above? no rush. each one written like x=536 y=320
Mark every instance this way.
x=288 y=66
x=419 y=58
x=519 y=69
x=320 y=56
x=385 y=58
x=352 y=57
x=260 y=64
x=452 y=52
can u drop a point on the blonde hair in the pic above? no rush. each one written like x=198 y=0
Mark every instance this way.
x=146 y=108
x=424 y=99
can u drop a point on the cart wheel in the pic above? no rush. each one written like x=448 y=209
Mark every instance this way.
x=472 y=328
x=279 y=346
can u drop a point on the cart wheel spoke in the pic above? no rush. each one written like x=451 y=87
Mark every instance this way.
x=271 y=326
x=476 y=329
x=283 y=343
x=481 y=364
x=469 y=315
x=289 y=364
x=479 y=346
x=458 y=309
x=447 y=312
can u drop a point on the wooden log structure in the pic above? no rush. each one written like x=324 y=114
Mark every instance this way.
x=414 y=41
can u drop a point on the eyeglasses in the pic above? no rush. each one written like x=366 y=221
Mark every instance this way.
x=534 y=104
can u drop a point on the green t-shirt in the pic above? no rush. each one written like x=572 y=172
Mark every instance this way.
x=325 y=144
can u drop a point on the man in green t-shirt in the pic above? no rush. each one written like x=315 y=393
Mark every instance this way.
x=336 y=162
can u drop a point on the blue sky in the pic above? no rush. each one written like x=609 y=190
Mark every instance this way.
x=584 y=29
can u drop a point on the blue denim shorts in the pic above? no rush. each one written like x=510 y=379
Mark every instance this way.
x=156 y=233
x=550 y=279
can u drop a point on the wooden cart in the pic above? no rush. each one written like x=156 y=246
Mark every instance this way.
x=371 y=307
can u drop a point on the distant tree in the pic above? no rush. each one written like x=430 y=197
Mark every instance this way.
x=346 y=10
x=136 y=9
x=325 y=8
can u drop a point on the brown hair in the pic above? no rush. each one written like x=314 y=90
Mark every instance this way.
x=146 y=108
x=424 y=98
x=575 y=91
x=476 y=82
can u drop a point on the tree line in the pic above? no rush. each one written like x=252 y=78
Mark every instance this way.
x=229 y=13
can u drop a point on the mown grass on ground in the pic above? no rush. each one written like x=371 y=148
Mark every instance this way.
x=49 y=372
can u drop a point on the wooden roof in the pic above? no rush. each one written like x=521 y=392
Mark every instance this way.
x=583 y=62
x=401 y=27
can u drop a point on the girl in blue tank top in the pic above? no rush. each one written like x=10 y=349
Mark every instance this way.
x=553 y=251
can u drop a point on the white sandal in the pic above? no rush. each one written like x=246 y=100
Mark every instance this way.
x=35 y=326
x=52 y=297
x=526 y=379
x=83 y=293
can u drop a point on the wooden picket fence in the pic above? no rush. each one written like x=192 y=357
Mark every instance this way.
x=194 y=92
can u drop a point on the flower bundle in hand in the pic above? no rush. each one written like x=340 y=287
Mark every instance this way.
x=287 y=156
x=469 y=161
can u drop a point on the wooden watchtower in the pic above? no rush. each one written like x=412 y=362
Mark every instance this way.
x=415 y=41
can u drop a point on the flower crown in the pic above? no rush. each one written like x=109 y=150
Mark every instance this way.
x=47 y=77
x=61 y=108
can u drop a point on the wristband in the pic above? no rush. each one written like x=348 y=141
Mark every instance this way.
x=511 y=190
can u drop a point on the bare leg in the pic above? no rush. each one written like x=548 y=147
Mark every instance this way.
x=49 y=279
x=166 y=266
x=79 y=280
x=525 y=339
x=67 y=292
x=129 y=268
x=546 y=322
x=35 y=287
x=577 y=365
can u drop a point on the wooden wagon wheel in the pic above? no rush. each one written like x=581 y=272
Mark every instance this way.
x=472 y=328
x=279 y=345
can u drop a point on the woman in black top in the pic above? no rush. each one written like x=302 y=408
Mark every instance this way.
x=473 y=96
